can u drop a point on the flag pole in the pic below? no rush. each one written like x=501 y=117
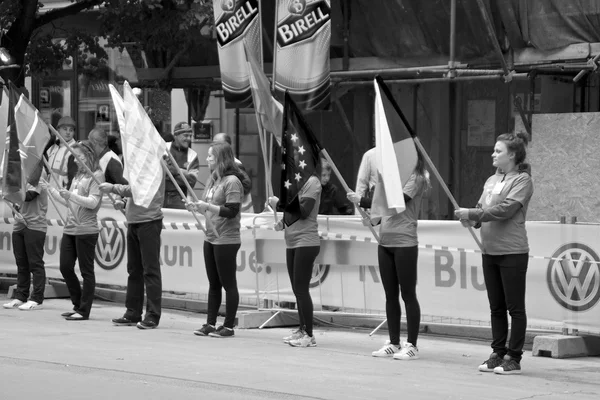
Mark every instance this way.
x=88 y=170
x=274 y=74
x=166 y=168
x=347 y=189
x=58 y=211
x=58 y=185
x=187 y=185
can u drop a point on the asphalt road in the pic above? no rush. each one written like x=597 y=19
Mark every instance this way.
x=42 y=356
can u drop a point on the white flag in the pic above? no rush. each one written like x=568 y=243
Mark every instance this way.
x=143 y=148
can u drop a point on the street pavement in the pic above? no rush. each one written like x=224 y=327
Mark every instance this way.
x=42 y=356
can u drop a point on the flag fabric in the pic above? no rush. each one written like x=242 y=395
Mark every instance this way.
x=34 y=135
x=4 y=100
x=269 y=110
x=120 y=106
x=13 y=183
x=396 y=154
x=300 y=155
x=143 y=148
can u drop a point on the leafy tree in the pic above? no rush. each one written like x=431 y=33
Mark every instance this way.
x=166 y=30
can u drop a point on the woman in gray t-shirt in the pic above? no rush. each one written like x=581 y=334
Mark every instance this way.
x=81 y=231
x=220 y=205
x=501 y=214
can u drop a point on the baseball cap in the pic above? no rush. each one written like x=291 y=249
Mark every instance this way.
x=182 y=127
x=66 y=121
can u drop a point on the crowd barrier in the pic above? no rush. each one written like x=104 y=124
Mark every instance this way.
x=563 y=280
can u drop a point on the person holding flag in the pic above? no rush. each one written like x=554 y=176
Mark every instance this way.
x=28 y=238
x=501 y=214
x=399 y=165
x=220 y=204
x=300 y=198
x=78 y=243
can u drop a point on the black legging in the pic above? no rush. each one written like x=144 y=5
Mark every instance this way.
x=398 y=266
x=300 y=263
x=221 y=271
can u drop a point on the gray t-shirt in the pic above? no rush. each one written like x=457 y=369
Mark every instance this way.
x=400 y=230
x=87 y=188
x=305 y=232
x=34 y=212
x=226 y=190
x=507 y=236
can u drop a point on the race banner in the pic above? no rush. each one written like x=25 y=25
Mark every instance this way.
x=302 y=52
x=236 y=22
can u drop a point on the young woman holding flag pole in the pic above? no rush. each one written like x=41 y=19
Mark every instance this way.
x=81 y=230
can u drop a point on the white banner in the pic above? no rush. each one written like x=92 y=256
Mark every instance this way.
x=563 y=280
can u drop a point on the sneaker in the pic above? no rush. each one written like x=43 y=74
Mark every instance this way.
x=205 y=330
x=304 y=341
x=123 y=321
x=222 y=332
x=30 y=305
x=407 y=352
x=388 y=350
x=297 y=334
x=14 y=303
x=508 y=367
x=147 y=324
x=488 y=365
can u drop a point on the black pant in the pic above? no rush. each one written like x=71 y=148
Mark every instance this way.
x=221 y=269
x=300 y=262
x=28 y=248
x=82 y=248
x=505 y=281
x=143 y=267
x=398 y=269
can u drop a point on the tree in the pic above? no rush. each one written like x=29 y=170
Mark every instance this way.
x=164 y=29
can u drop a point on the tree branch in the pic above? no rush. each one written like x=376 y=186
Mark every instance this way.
x=167 y=72
x=74 y=8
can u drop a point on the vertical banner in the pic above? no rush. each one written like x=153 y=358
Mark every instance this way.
x=237 y=21
x=302 y=52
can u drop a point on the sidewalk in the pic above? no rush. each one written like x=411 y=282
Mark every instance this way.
x=44 y=356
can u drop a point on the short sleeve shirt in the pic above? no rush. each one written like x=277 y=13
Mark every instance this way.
x=85 y=186
x=305 y=232
x=506 y=236
x=227 y=190
x=34 y=212
x=400 y=230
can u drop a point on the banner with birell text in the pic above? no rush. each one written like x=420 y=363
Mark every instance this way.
x=302 y=52
x=236 y=22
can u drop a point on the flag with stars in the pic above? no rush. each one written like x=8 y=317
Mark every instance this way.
x=300 y=155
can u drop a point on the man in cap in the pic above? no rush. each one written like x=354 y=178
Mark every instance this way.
x=187 y=162
x=62 y=162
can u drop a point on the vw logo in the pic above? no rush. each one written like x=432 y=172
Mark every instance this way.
x=319 y=274
x=110 y=247
x=573 y=277
x=297 y=6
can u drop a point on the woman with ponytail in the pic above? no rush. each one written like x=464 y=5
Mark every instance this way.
x=501 y=214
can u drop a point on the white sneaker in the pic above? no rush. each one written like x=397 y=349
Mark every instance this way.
x=297 y=334
x=304 y=341
x=14 y=303
x=30 y=305
x=388 y=350
x=408 y=352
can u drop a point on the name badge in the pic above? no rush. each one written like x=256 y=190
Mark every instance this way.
x=498 y=188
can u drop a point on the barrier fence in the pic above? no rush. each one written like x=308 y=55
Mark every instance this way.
x=563 y=280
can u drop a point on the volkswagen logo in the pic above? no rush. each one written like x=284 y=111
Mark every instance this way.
x=297 y=6
x=110 y=247
x=319 y=273
x=573 y=277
